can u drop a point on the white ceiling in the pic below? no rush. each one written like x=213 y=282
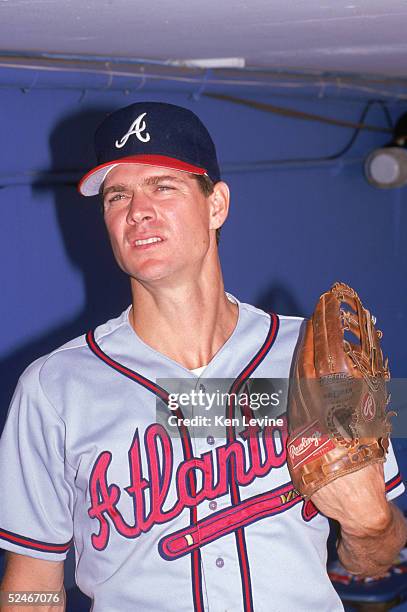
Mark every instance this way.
x=359 y=36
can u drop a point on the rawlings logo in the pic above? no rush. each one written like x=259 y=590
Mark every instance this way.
x=308 y=444
x=136 y=129
x=368 y=407
x=296 y=450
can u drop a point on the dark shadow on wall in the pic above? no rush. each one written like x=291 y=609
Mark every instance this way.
x=86 y=243
x=279 y=299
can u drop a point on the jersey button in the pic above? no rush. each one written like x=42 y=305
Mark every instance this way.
x=213 y=505
x=202 y=388
x=210 y=440
x=220 y=562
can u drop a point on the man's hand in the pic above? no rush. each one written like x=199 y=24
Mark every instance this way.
x=357 y=501
x=373 y=531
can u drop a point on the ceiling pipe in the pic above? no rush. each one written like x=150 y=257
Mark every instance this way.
x=34 y=72
x=42 y=77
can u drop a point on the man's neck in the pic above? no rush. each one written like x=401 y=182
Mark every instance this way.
x=189 y=325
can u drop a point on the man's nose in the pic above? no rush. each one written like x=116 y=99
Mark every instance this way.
x=140 y=209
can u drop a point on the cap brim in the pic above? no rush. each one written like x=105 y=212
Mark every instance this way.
x=90 y=184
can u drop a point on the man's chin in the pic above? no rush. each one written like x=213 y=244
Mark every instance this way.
x=152 y=275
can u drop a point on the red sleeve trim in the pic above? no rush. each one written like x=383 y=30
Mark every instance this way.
x=15 y=538
x=394 y=482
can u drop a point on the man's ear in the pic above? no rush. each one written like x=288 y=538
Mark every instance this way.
x=219 y=205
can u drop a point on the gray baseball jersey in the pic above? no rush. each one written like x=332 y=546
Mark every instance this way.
x=163 y=521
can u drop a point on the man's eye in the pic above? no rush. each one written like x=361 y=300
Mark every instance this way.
x=116 y=197
x=164 y=188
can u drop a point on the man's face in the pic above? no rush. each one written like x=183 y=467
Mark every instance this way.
x=158 y=222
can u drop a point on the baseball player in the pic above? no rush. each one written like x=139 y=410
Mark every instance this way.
x=99 y=451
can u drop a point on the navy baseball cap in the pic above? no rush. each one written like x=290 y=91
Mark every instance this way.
x=153 y=134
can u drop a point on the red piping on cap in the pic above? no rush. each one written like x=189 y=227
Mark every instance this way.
x=147 y=160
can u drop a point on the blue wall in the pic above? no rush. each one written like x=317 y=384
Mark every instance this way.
x=293 y=229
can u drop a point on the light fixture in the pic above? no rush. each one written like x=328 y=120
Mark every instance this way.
x=386 y=168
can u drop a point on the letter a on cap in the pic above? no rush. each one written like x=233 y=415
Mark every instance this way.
x=137 y=128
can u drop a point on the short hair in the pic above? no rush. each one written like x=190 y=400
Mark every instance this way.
x=205 y=184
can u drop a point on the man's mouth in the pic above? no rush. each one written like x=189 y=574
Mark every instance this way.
x=151 y=240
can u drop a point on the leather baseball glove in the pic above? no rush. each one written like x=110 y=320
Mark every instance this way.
x=337 y=415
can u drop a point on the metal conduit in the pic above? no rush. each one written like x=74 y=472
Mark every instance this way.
x=41 y=71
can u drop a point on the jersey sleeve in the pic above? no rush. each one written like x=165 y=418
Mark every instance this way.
x=36 y=498
x=394 y=482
